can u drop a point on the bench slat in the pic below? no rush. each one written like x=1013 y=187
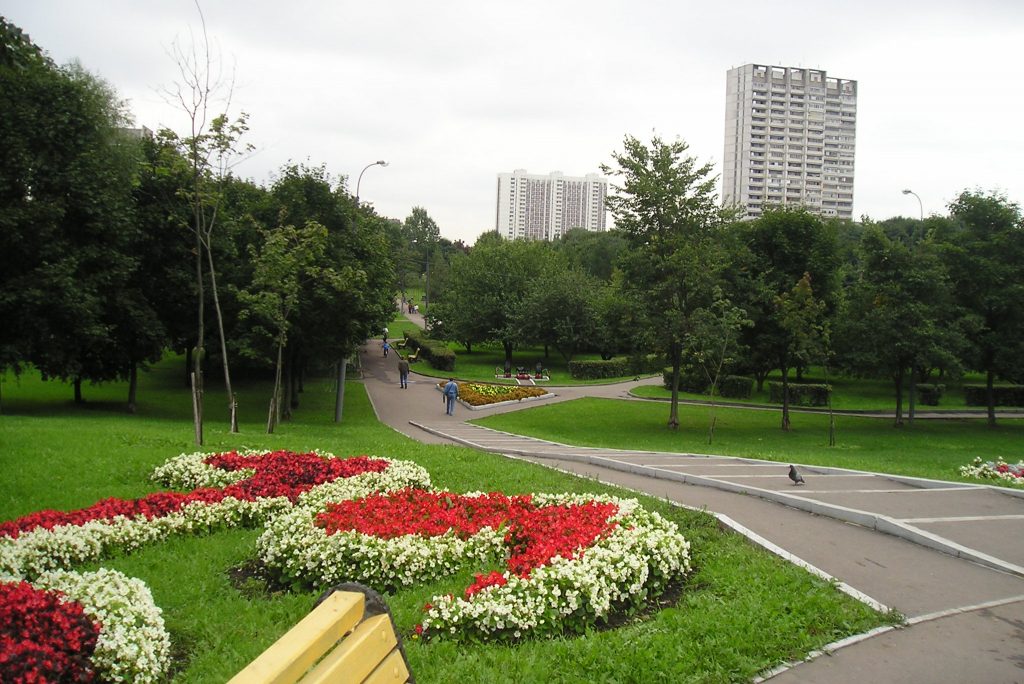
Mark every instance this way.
x=358 y=655
x=392 y=671
x=291 y=655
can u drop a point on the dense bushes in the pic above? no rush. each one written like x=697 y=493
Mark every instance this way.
x=800 y=394
x=1003 y=395
x=597 y=369
x=729 y=386
x=435 y=352
x=930 y=394
x=618 y=367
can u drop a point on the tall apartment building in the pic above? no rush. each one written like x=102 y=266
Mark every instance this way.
x=546 y=207
x=790 y=135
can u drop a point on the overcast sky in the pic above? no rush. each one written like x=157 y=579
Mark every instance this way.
x=451 y=93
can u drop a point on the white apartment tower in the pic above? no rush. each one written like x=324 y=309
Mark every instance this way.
x=546 y=207
x=790 y=135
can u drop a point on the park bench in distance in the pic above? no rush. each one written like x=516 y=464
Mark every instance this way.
x=349 y=637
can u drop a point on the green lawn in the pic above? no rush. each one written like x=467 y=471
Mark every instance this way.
x=848 y=394
x=742 y=610
x=929 y=448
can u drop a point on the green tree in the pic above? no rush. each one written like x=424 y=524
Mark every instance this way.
x=596 y=253
x=67 y=236
x=616 y=319
x=801 y=320
x=558 y=310
x=288 y=258
x=666 y=208
x=778 y=250
x=898 y=316
x=211 y=147
x=486 y=296
x=985 y=256
x=713 y=344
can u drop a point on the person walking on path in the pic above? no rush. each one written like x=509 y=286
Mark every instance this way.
x=387 y=348
x=403 y=372
x=451 y=391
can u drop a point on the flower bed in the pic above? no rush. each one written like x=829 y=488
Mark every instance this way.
x=482 y=394
x=227 y=490
x=555 y=563
x=569 y=560
x=1007 y=473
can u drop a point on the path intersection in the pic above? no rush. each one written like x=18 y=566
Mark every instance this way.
x=948 y=556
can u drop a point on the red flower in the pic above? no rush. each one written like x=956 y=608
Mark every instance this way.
x=279 y=473
x=534 y=534
x=44 y=637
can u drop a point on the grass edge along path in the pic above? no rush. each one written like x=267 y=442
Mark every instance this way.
x=741 y=611
x=931 y=449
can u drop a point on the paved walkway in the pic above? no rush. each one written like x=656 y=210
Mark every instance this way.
x=948 y=556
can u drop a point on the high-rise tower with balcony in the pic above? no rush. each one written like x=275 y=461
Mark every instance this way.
x=546 y=207
x=790 y=135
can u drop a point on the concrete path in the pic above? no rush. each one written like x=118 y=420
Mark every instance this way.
x=948 y=556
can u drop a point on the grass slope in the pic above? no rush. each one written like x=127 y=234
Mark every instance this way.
x=929 y=448
x=742 y=610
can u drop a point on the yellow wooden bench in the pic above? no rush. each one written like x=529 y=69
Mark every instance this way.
x=335 y=643
x=415 y=356
x=401 y=343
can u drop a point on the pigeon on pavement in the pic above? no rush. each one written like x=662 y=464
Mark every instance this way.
x=795 y=476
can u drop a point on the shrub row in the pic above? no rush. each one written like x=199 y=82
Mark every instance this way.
x=930 y=394
x=599 y=368
x=1004 y=395
x=729 y=386
x=435 y=352
x=800 y=394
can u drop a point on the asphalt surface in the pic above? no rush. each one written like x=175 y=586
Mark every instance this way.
x=948 y=556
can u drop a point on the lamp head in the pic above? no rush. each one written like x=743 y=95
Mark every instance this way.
x=381 y=162
x=905 y=192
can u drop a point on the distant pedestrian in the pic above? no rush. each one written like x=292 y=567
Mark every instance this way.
x=387 y=348
x=451 y=392
x=403 y=372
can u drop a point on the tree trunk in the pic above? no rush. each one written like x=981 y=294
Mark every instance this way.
x=339 y=396
x=133 y=385
x=285 y=401
x=197 y=355
x=898 y=380
x=232 y=400
x=990 y=397
x=673 y=415
x=274 y=414
x=760 y=377
x=78 y=391
x=912 y=394
x=831 y=415
x=188 y=366
x=508 y=353
x=785 y=398
x=197 y=409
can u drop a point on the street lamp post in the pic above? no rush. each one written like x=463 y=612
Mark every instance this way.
x=339 y=397
x=919 y=203
x=379 y=162
x=913 y=367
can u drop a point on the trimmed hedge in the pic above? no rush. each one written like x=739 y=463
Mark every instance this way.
x=930 y=394
x=642 y=364
x=435 y=352
x=736 y=386
x=729 y=386
x=1003 y=395
x=690 y=381
x=599 y=368
x=800 y=394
